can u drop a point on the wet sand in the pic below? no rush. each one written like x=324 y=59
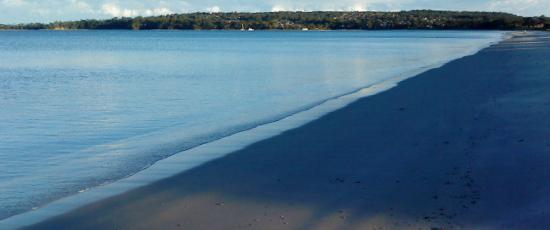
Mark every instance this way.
x=464 y=146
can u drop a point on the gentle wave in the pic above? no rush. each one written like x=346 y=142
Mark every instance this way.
x=216 y=147
x=81 y=171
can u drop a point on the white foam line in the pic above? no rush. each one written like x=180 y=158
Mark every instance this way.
x=199 y=155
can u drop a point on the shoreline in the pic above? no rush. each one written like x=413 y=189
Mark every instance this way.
x=287 y=30
x=171 y=166
x=406 y=19
x=462 y=146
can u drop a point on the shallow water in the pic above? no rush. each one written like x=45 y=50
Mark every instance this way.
x=82 y=108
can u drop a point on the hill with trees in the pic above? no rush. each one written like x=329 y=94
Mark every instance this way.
x=320 y=20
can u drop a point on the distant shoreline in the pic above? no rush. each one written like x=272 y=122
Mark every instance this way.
x=318 y=20
x=272 y=30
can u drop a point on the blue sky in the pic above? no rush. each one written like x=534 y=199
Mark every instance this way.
x=18 y=11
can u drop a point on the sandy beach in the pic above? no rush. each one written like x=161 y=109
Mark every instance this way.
x=464 y=146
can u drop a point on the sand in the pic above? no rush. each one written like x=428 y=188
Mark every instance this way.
x=464 y=146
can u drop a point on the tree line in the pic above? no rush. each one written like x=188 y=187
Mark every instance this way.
x=321 y=20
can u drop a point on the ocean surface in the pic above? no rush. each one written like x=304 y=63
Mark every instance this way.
x=80 y=109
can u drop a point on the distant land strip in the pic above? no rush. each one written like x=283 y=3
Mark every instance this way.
x=317 y=20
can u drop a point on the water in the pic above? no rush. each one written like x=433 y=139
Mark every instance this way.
x=80 y=109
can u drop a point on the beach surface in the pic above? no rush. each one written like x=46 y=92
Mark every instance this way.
x=464 y=146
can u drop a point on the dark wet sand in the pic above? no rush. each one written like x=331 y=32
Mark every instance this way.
x=465 y=146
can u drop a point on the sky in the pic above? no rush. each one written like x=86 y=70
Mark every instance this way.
x=24 y=11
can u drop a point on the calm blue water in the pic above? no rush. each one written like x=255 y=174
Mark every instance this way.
x=82 y=108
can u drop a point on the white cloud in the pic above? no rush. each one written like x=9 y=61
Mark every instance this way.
x=114 y=10
x=157 y=11
x=213 y=9
x=277 y=8
x=358 y=7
